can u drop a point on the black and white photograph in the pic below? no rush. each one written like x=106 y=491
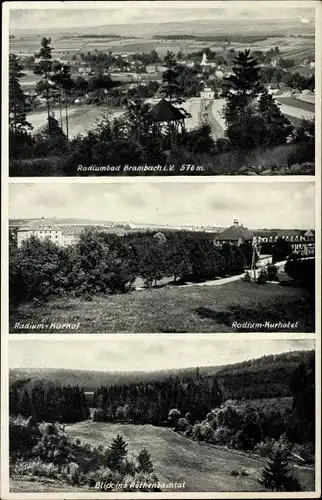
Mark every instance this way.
x=162 y=414
x=161 y=88
x=162 y=257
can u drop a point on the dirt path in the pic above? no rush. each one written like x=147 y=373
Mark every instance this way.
x=207 y=116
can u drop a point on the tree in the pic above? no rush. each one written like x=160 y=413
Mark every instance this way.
x=144 y=461
x=44 y=68
x=277 y=127
x=64 y=82
x=17 y=100
x=170 y=87
x=281 y=249
x=276 y=473
x=244 y=85
x=117 y=452
x=303 y=388
x=174 y=416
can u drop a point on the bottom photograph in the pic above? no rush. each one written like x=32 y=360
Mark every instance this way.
x=161 y=413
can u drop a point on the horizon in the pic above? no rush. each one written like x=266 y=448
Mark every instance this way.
x=149 y=224
x=214 y=204
x=146 y=12
x=125 y=355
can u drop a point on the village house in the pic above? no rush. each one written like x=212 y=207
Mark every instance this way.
x=155 y=68
x=207 y=93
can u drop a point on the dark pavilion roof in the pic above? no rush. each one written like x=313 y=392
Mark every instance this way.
x=164 y=111
x=233 y=233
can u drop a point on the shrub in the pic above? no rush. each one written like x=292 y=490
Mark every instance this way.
x=36 y=467
x=222 y=435
x=247 y=276
x=262 y=277
x=271 y=272
x=234 y=473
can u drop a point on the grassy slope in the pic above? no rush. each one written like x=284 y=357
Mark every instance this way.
x=191 y=309
x=178 y=459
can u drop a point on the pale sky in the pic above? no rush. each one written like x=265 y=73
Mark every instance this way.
x=257 y=205
x=68 y=14
x=144 y=353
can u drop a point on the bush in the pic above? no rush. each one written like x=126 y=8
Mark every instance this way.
x=262 y=277
x=271 y=272
x=37 y=270
x=36 y=467
x=234 y=473
x=222 y=435
x=247 y=276
x=36 y=167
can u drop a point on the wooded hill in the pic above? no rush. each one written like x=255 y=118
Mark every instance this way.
x=264 y=377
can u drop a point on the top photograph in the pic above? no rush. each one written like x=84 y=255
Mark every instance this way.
x=160 y=88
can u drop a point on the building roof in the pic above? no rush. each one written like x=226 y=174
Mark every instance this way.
x=40 y=225
x=164 y=111
x=233 y=233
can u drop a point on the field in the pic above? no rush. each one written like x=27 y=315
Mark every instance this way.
x=296 y=108
x=64 y=48
x=178 y=459
x=170 y=309
x=81 y=118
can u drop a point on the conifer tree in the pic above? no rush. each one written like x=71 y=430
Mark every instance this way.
x=276 y=473
x=144 y=461
x=170 y=87
x=117 y=452
x=17 y=100
x=44 y=68
x=244 y=85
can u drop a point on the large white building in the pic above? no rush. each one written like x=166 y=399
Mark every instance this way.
x=45 y=229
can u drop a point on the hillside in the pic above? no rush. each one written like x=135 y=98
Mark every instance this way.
x=178 y=459
x=250 y=379
x=193 y=27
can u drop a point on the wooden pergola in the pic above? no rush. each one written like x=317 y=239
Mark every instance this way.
x=164 y=118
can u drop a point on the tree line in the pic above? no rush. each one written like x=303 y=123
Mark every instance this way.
x=47 y=402
x=103 y=263
x=150 y=403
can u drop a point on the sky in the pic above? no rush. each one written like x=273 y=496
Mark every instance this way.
x=132 y=12
x=255 y=204
x=144 y=353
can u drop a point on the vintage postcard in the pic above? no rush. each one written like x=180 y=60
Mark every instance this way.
x=161 y=250
x=161 y=88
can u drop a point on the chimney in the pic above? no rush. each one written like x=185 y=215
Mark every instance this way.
x=236 y=222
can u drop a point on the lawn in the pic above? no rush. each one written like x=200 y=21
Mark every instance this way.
x=178 y=459
x=192 y=309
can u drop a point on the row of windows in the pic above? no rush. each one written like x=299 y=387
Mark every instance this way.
x=286 y=238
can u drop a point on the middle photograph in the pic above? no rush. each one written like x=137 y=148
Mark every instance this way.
x=161 y=257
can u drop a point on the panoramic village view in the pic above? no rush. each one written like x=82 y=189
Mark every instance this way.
x=212 y=416
x=182 y=257
x=221 y=90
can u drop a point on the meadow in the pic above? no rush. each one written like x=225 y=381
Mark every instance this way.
x=169 y=309
x=202 y=467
